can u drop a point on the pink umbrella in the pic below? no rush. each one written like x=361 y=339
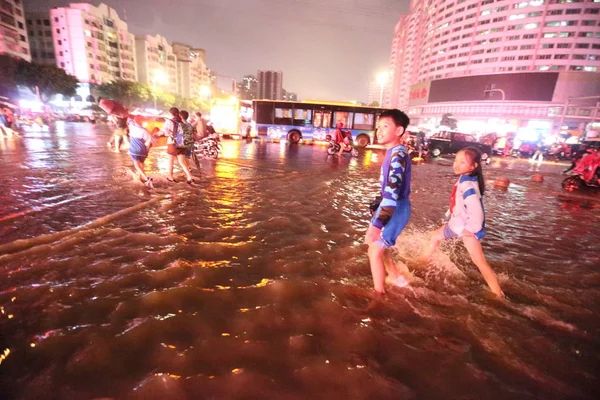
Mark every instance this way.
x=113 y=107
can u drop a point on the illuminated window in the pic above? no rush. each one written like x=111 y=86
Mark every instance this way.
x=363 y=121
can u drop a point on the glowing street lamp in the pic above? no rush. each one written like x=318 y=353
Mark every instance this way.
x=205 y=92
x=382 y=79
x=159 y=77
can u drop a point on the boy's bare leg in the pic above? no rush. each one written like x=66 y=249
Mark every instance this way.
x=375 y=254
x=139 y=167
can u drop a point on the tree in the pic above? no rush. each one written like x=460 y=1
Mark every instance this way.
x=449 y=121
x=374 y=104
x=125 y=92
x=45 y=80
x=8 y=73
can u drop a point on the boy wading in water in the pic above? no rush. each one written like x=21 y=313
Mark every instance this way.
x=393 y=212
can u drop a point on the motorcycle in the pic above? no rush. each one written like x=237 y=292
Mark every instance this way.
x=586 y=174
x=334 y=148
x=577 y=182
x=207 y=147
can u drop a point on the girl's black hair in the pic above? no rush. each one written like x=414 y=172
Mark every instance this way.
x=475 y=156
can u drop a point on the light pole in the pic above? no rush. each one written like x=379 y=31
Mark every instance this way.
x=382 y=78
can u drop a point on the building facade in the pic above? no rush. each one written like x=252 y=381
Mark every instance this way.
x=39 y=32
x=439 y=42
x=157 y=63
x=93 y=43
x=13 y=34
x=248 y=88
x=270 y=85
x=191 y=70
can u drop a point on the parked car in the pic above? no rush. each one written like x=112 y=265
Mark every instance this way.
x=449 y=142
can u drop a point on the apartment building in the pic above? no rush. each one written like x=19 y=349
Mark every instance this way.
x=13 y=36
x=191 y=70
x=454 y=41
x=156 y=63
x=93 y=43
x=39 y=33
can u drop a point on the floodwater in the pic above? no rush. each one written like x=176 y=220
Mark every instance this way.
x=254 y=284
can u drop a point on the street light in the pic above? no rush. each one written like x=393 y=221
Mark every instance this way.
x=205 y=91
x=382 y=79
x=158 y=77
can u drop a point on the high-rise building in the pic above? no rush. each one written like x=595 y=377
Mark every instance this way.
x=92 y=43
x=156 y=62
x=13 y=36
x=270 y=85
x=39 y=32
x=514 y=62
x=191 y=70
x=248 y=88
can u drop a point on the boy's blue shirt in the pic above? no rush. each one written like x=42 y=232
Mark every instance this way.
x=395 y=183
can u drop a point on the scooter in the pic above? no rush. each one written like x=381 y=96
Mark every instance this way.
x=586 y=175
x=334 y=148
x=576 y=182
x=207 y=147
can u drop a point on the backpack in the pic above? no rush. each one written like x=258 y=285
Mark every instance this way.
x=178 y=136
x=188 y=135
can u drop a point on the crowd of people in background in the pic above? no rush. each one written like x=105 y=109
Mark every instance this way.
x=181 y=131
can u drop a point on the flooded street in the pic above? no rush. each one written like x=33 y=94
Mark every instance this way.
x=254 y=282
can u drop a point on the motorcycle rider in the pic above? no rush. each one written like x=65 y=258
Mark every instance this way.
x=576 y=156
x=339 y=137
x=589 y=166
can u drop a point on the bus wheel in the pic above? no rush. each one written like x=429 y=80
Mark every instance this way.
x=294 y=137
x=362 y=141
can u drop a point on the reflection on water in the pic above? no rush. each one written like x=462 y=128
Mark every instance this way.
x=254 y=283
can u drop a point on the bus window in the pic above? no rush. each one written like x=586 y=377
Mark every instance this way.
x=344 y=117
x=302 y=117
x=283 y=116
x=322 y=119
x=363 y=121
x=264 y=113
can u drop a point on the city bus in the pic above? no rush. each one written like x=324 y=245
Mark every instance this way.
x=297 y=121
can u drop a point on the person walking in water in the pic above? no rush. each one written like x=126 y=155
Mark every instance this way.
x=140 y=141
x=172 y=128
x=393 y=213
x=467 y=216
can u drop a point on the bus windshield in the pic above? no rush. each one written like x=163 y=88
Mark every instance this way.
x=313 y=121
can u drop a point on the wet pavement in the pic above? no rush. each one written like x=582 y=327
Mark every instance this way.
x=253 y=283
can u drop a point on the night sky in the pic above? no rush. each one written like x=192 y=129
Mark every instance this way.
x=326 y=49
